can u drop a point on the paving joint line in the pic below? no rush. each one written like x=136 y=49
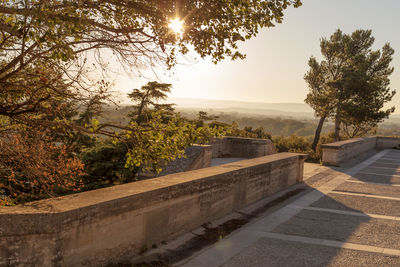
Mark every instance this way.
x=364 y=195
x=379 y=174
x=333 y=243
x=385 y=168
x=352 y=213
x=389 y=158
x=387 y=163
x=372 y=183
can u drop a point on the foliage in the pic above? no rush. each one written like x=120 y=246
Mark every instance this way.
x=105 y=164
x=274 y=125
x=61 y=29
x=44 y=44
x=248 y=131
x=291 y=143
x=299 y=144
x=144 y=147
x=203 y=117
x=388 y=129
x=147 y=98
x=154 y=136
x=156 y=143
x=33 y=166
x=351 y=83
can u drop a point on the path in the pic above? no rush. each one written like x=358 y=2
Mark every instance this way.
x=351 y=220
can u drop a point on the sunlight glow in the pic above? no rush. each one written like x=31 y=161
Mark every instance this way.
x=176 y=25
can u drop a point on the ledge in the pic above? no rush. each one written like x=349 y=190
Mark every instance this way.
x=339 y=144
x=338 y=153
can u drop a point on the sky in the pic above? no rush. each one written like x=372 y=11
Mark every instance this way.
x=277 y=58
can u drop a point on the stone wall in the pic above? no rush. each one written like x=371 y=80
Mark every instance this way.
x=200 y=156
x=387 y=142
x=113 y=224
x=196 y=157
x=337 y=153
x=238 y=147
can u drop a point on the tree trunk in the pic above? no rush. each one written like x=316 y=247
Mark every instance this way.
x=318 y=133
x=337 y=124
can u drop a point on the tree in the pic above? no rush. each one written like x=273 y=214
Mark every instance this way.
x=50 y=48
x=318 y=97
x=154 y=136
x=351 y=83
x=147 y=100
x=42 y=36
x=203 y=117
x=157 y=134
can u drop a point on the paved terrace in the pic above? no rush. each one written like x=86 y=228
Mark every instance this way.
x=349 y=218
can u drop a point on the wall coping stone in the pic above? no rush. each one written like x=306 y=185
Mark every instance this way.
x=340 y=152
x=257 y=140
x=341 y=144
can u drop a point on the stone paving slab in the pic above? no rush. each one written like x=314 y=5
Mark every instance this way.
x=360 y=204
x=376 y=178
x=374 y=189
x=354 y=229
x=272 y=252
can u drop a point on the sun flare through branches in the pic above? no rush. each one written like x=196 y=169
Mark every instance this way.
x=176 y=25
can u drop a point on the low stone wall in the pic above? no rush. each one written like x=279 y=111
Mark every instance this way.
x=200 y=156
x=337 y=153
x=113 y=224
x=387 y=142
x=238 y=147
x=196 y=157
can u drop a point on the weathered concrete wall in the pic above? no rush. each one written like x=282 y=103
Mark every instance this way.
x=200 y=156
x=241 y=147
x=196 y=157
x=387 y=142
x=100 y=226
x=337 y=153
x=202 y=160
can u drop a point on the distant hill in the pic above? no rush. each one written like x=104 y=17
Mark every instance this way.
x=276 y=118
x=268 y=109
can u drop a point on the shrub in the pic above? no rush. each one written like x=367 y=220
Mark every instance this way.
x=33 y=166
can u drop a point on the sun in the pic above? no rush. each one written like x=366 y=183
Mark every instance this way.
x=176 y=25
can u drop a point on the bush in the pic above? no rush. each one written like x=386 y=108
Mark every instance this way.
x=299 y=144
x=34 y=166
x=105 y=165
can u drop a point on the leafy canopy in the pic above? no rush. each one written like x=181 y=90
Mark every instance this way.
x=351 y=83
x=44 y=44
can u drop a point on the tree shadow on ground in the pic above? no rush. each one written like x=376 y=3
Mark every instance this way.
x=318 y=232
